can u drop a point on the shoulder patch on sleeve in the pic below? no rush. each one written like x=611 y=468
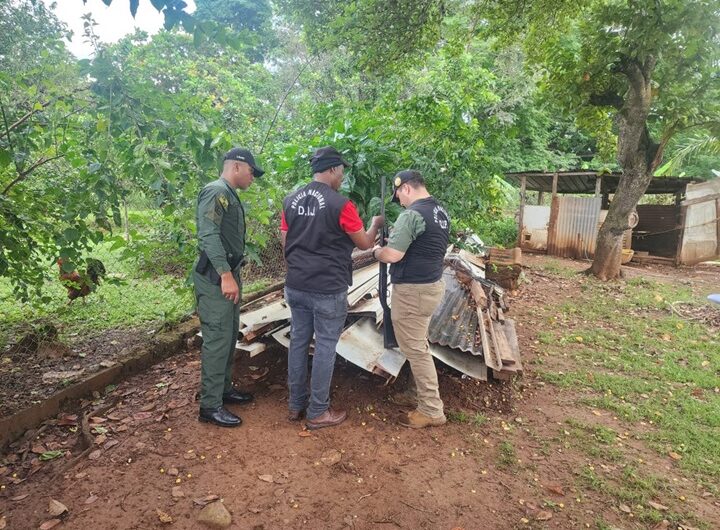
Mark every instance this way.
x=223 y=201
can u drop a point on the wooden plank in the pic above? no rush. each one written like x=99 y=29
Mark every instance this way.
x=523 y=184
x=700 y=200
x=493 y=360
x=717 y=225
x=598 y=186
x=506 y=355
x=253 y=349
x=554 y=186
x=681 y=239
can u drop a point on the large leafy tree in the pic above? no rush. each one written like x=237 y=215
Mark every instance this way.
x=49 y=178
x=644 y=70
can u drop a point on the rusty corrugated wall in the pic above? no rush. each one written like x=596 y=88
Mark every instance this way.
x=573 y=226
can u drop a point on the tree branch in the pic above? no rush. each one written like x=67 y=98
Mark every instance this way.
x=22 y=175
x=282 y=102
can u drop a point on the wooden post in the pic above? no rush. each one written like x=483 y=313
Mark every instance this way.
x=605 y=204
x=541 y=197
x=554 y=185
x=598 y=185
x=717 y=223
x=681 y=239
x=523 y=184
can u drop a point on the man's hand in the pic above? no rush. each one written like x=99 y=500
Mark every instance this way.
x=229 y=287
x=377 y=222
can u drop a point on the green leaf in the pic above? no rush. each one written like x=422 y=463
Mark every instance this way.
x=51 y=455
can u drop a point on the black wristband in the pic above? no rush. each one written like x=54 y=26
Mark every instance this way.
x=373 y=254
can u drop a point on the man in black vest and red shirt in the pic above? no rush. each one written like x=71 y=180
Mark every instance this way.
x=319 y=229
x=416 y=250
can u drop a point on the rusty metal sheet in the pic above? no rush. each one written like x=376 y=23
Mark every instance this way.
x=455 y=321
x=573 y=234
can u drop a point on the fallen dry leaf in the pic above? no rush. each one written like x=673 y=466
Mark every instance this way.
x=91 y=499
x=20 y=497
x=266 y=478
x=657 y=506
x=305 y=434
x=173 y=472
x=139 y=416
x=554 y=487
x=148 y=407
x=38 y=449
x=164 y=517
x=3 y=523
x=544 y=515
x=56 y=508
x=97 y=419
x=111 y=443
x=65 y=421
x=52 y=523
x=177 y=493
x=674 y=455
x=625 y=508
x=95 y=454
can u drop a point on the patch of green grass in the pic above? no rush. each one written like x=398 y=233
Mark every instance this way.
x=458 y=416
x=555 y=268
x=478 y=419
x=635 y=358
x=507 y=457
x=123 y=299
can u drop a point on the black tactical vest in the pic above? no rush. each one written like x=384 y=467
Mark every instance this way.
x=423 y=260
x=317 y=249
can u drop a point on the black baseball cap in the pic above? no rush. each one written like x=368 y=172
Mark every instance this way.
x=243 y=155
x=408 y=175
x=325 y=158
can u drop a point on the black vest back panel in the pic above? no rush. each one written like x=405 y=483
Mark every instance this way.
x=423 y=260
x=317 y=250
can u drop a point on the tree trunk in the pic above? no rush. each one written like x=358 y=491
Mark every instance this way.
x=638 y=156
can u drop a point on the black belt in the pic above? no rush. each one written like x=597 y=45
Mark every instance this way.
x=205 y=267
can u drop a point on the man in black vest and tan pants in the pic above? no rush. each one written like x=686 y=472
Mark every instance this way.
x=416 y=250
x=319 y=229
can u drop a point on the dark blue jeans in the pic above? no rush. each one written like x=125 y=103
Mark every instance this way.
x=324 y=315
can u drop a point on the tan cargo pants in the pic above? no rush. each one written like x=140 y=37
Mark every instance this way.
x=412 y=306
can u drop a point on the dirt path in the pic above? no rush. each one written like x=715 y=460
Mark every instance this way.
x=517 y=455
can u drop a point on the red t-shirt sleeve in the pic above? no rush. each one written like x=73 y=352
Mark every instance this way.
x=283 y=222
x=350 y=221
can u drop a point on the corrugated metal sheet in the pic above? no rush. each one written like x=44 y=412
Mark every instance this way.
x=573 y=233
x=455 y=321
x=535 y=227
x=695 y=191
x=700 y=237
x=584 y=182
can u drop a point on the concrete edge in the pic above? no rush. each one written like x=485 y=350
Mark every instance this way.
x=160 y=347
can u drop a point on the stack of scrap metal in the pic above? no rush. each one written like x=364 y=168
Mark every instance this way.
x=468 y=331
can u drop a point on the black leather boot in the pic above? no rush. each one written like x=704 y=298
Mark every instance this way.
x=235 y=397
x=220 y=416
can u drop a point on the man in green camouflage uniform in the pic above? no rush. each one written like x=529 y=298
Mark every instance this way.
x=220 y=219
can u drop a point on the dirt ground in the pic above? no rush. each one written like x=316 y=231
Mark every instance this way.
x=503 y=462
